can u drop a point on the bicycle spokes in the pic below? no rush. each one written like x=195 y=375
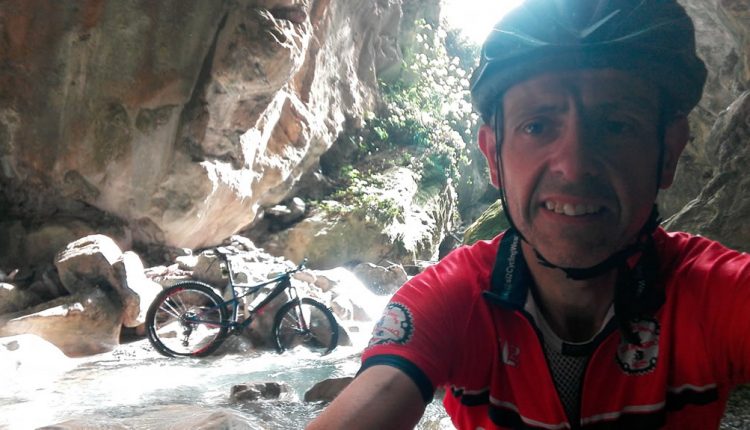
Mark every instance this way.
x=305 y=322
x=187 y=322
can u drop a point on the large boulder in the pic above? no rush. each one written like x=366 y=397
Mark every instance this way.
x=326 y=391
x=13 y=299
x=254 y=391
x=81 y=324
x=396 y=221
x=489 y=224
x=96 y=260
x=136 y=291
x=381 y=280
x=87 y=262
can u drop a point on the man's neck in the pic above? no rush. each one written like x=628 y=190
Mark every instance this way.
x=575 y=310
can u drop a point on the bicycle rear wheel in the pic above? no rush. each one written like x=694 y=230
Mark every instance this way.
x=188 y=319
x=306 y=322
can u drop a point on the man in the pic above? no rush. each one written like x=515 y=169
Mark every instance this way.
x=584 y=314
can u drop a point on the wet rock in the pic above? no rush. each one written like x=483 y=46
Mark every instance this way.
x=381 y=280
x=166 y=276
x=242 y=243
x=491 y=223
x=350 y=298
x=284 y=215
x=85 y=424
x=193 y=417
x=135 y=289
x=14 y=299
x=85 y=323
x=30 y=360
x=46 y=283
x=294 y=13
x=326 y=391
x=254 y=391
x=87 y=262
x=205 y=267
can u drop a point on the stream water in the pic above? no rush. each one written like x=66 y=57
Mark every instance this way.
x=135 y=388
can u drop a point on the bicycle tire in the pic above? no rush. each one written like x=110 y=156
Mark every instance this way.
x=316 y=328
x=166 y=320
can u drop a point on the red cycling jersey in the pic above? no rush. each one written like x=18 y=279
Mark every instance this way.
x=462 y=325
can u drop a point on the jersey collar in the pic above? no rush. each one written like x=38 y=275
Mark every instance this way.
x=637 y=294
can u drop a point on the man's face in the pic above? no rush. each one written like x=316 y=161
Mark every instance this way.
x=579 y=161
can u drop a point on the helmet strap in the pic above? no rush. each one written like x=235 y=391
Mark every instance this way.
x=613 y=261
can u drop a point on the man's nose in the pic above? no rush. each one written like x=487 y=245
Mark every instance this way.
x=574 y=156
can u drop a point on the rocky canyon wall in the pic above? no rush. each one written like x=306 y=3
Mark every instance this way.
x=174 y=122
x=711 y=194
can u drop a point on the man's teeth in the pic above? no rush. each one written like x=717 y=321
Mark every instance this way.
x=572 y=210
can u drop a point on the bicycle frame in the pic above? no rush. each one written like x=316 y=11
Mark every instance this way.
x=193 y=318
x=282 y=281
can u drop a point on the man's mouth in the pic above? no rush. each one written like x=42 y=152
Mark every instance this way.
x=571 y=209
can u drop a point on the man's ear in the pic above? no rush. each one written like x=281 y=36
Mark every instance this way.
x=489 y=149
x=676 y=137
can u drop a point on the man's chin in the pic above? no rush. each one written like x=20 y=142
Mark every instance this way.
x=574 y=259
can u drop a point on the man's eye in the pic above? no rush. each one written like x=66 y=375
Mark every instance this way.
x=619 y=128
x=534 y=128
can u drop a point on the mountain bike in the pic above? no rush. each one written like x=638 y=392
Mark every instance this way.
x=190 y=319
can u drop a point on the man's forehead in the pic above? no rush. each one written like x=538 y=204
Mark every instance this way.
x=589 y=86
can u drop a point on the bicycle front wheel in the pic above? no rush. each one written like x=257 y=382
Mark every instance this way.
x=305 y=322
x=188 y=319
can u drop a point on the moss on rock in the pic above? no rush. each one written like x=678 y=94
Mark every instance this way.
x=488 y=225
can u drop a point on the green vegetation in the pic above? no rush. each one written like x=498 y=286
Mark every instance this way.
x=425 y=122
x=428 y=110
x=359 y=195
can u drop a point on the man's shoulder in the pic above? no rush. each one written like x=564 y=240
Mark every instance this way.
x=682 y=244
x=479 y=256
x=682 y=252
x=468 y=267
x=484 y=250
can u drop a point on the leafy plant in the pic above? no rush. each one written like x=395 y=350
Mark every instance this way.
x=425 y=121
x=428 y=110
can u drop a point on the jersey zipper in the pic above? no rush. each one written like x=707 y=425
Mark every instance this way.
x=540 y=338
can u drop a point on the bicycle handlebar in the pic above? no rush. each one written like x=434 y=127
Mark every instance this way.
x=299 y=267
x=224 y=254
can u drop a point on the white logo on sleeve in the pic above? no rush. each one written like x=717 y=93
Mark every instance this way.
x=395 y=326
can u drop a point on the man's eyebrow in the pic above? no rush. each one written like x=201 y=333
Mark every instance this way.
x=536 y=109
x=630 y=101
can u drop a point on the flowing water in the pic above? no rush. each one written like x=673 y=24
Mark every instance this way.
x=134 y=387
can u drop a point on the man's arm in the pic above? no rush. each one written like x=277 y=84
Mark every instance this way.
x=381 y=397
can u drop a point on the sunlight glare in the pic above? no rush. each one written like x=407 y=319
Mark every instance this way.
x=475 y=18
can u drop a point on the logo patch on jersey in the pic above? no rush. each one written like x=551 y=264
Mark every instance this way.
x=640 y=359
x=395 y=326
x=509 y=353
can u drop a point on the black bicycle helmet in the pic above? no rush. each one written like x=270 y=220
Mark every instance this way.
x=653 y=39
